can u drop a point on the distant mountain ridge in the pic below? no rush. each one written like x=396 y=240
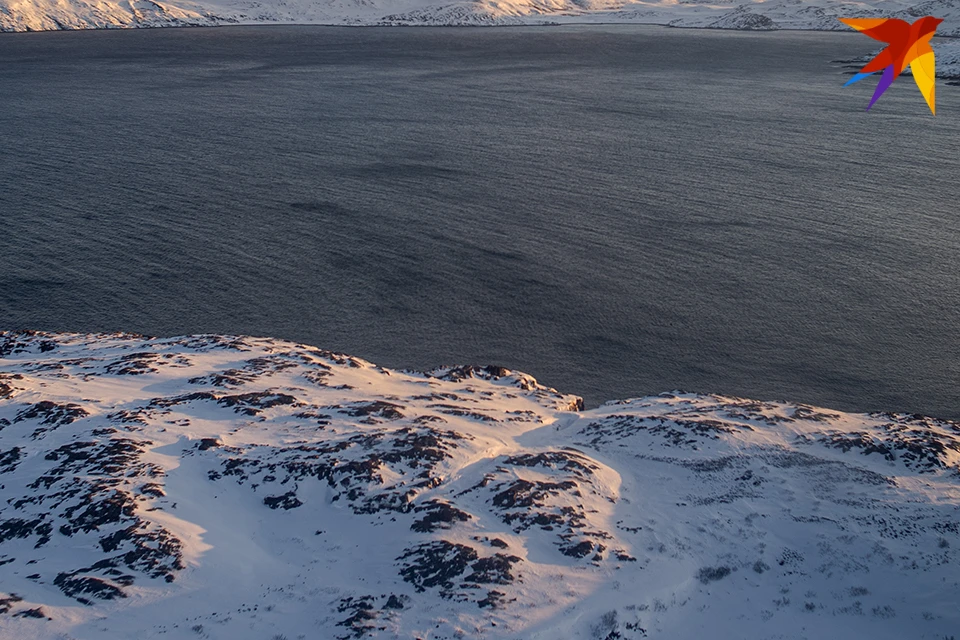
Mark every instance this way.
x=250 y=488
x=36 y=15
x=762 y=15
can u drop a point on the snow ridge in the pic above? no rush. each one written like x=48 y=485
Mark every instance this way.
x=237 y=487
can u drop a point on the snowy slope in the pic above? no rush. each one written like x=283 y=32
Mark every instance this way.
x=249 y=488
x=22 y=15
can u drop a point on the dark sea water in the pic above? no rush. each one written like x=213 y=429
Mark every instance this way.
x=618 y=211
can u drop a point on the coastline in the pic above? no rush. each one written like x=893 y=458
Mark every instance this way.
x=946 y=46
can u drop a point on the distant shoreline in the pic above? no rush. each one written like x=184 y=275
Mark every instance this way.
x=329 y=25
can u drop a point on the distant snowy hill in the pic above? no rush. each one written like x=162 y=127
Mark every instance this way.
x=32 y=15
x=247 y=488
x=40 y=15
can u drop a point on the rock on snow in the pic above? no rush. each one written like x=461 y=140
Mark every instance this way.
x=249 y=488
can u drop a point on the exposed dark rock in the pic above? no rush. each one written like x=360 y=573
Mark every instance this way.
x=11 y=528
x=7 y=602
x=27 y=341
x=286 y=501
x=208 y=443
x=9 y=459
x=495 y=569
x=360 y=622
x=436 y=564
x=911 y=440
x=99 y=512
x=526 y=494
x=454 y=410
x=133 y=364
x=173 y=401
x=251 y=403
x=78 y=587
x=494 y=599
x=579 y=550
x=560 y=460
x=386 y=410
x=707 y=575
x=458 y=374
x=439 y=515
x=51 y=414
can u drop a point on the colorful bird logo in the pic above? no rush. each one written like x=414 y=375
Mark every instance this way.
x=908 y=44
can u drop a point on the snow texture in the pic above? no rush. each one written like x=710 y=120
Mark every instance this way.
x=250 y=488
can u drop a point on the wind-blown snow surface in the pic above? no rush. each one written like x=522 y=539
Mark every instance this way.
x=249 y=488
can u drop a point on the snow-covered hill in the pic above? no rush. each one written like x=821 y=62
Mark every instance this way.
x=30 y=15
x=41 y=15
x=249 y=488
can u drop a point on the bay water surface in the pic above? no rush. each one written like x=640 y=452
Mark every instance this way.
x=617 y=210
